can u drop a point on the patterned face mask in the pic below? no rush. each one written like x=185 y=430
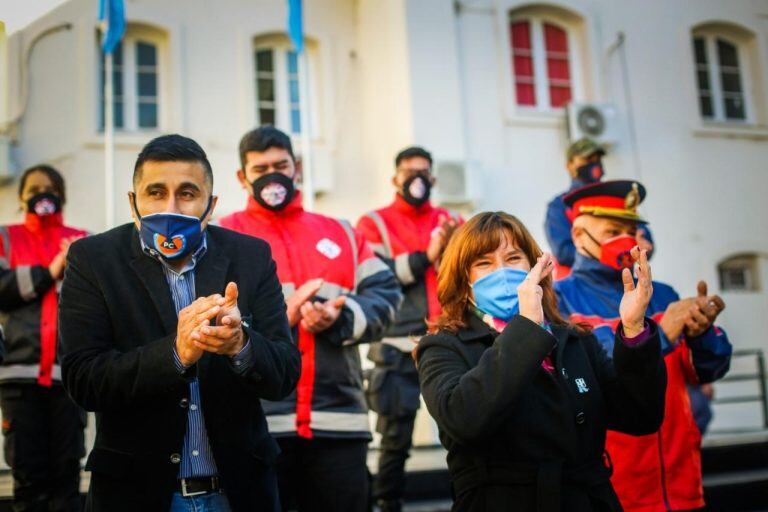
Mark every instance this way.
x=172 y=235
x=273 y=191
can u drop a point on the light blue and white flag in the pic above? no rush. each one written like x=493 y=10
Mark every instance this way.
x=296 y=24
x=113 y=12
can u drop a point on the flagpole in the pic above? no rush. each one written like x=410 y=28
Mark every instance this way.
x=308 y=182
x=109 y=142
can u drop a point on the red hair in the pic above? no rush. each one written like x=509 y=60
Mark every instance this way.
x=482 y=234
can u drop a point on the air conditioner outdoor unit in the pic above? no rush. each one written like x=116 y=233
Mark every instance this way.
x=593 y=120
x=452 y=182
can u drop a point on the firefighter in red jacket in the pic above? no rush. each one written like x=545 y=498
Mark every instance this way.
x=338 y=294
x=409 y=235
x=661 y=471
x=42 y=426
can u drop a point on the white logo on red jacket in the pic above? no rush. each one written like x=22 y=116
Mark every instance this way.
x=328 y=248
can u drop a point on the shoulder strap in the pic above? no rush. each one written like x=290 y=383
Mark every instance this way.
x=5 y=242
x=347 y=227
x=376 y=218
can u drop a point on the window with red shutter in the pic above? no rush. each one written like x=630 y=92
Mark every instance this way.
x=522 y=63
x=558 y=73
x=540 y=63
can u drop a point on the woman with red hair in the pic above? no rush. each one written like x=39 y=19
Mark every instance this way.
x=522 y=398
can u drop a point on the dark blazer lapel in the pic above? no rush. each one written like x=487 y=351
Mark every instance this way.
x=151 y=275
x=561 y=334
x=211 y=271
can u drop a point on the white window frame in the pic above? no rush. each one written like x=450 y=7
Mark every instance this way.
x=710 y=37
x=539 y=54
x=282 y=101
x=130 y=81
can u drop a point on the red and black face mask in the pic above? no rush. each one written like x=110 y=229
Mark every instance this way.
x=615 y=252
x=591 y=172
x=44 y=204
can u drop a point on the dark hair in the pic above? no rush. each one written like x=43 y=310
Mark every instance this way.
x=55 y=176
x=263 y=138
x=173 y=148
x=412 y=152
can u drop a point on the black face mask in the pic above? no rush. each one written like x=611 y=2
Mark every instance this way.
x=416 y=190
x=44 y=204
x=591 y=172
x=273 y=191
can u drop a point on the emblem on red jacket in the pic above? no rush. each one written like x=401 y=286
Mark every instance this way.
x=328 y=248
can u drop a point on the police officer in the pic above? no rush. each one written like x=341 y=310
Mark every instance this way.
x=43 y=427
x=584 y=162
x=409 y=235
x=338 y=294
x=661 y=471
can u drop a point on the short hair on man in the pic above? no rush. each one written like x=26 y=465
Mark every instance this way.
x=263 y=138
x=412 y=152
x=173 y=148
x=55 y=176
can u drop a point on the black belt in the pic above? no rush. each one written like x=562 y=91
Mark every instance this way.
x=199 y=486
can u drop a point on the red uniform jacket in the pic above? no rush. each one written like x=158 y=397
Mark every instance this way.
x=329 y=400
x=29 y=298
x=400 y=234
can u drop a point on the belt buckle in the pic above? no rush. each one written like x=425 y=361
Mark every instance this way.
x=187 y=494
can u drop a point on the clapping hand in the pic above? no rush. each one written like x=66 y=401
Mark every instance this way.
x=299 y=298
x=190 y=319
x=692 y=315
x=195 y=334
x=440 y=237
x=319 y=316
x=530 y=293
x=637 y=296
x=56 y=268
x=703 y=311
x=226 y=337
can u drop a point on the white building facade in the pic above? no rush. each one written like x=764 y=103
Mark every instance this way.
x=483 y=84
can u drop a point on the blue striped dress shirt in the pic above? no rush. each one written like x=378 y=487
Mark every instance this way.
x=197 y=457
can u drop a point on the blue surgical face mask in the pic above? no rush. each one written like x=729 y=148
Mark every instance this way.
x=496 y=293
x=172 y=235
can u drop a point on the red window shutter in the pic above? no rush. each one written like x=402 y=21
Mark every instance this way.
x=522 y=63
x=558 y=73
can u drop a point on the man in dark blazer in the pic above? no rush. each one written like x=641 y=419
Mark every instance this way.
x=171 y=331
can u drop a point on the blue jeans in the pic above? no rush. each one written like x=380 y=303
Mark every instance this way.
x=213 y=502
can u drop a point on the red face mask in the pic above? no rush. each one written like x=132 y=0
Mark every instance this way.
x=615 y=252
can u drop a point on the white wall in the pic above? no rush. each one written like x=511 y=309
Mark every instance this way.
x=706 y=183
x=706 y=186
x=208 y=81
